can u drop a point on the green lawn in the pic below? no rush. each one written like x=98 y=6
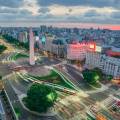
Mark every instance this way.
x=17 y=111
x=96 y=85
x=19 y=55
x=54 y=78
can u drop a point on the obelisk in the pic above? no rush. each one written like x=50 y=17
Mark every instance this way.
x=31 y=47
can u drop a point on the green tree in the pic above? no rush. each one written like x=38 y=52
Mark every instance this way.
x=2 y=48
x=16 y=42
x=87 y=75
x=40 y=98
x=99 y=72
x=91 y=76
x=109 y=77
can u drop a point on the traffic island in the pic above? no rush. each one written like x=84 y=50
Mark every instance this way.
x=39 y=100
x=48 y=113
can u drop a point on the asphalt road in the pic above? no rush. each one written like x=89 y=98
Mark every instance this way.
x=24 y=115
x=73 y=73
x=76 y=77
x=48 y=61
x=22 y=86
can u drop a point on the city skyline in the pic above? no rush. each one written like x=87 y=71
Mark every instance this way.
x=59 y=59
x=79 y=13
x=59 y=25
x=59 y=73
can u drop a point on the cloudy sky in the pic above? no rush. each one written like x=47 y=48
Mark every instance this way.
x=89 y=12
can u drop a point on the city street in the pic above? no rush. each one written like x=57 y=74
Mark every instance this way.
x=77 y=78
x=16 y=103
x=85 y=96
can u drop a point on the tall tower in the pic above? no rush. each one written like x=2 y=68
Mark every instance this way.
x=31 y=46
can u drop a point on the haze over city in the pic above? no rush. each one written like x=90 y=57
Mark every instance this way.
x=59 y=59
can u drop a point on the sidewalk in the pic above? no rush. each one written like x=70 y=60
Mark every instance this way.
x=103 y=88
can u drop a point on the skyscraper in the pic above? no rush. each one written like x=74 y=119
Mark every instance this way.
x=31 y=45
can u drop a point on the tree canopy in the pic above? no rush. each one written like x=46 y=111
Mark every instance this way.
x=16 y=42
x=92 y=76
x=98 y=71
x=40 y=97
x=2 y=48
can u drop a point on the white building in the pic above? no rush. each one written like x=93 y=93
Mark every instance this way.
x=58 y=48
x=109 y=65
x=78 y=51
x=54 y=46
x=93 y=59
x=48 y=45
x=23 y=37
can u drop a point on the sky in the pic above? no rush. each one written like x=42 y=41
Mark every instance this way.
x=72 y=13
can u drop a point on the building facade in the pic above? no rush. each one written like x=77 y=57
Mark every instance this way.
x=75 y=52
x=23 y=37
x=78 y=51
x=109 y=65
x=58 y=48
x=93 y=59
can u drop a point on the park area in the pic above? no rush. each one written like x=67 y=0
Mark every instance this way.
x=55 y=78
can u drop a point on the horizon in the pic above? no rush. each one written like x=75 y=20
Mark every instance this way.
x=85 y=13
x=59 y=25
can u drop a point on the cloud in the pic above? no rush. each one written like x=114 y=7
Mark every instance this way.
x=70 y=10
x=31 y=6
x=94 y=3
x=115 y=15
x=15 y=15
x=44 y=10
x=85 y=11
x=11 y=3
x=94 y=19
x=8 y=10
x=92 y=13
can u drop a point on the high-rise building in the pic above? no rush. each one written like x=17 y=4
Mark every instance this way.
x=22 y=37
x=59 y=48
x=47 y=40
x=31 y=45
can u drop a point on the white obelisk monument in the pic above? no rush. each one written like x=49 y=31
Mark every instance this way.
x=31 y=47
